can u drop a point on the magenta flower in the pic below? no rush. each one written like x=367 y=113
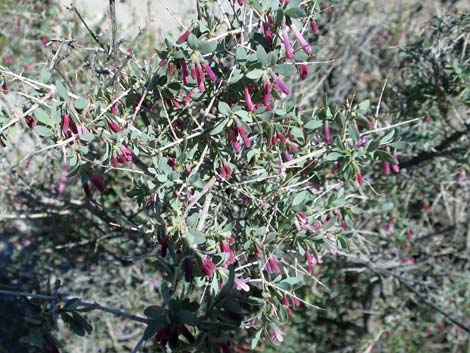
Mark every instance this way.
x=300 y=38
x=183 y=38
x=268 y=34
x=225 y=347
x=200 y=77
x=65 y=123
x=272 y=266
x=359 y=178
x=244 y=136
x=313 y=26
x=114 y=126
x=287 y=44
x=326 y=129
x=267 y=93
x=284 y=88
x=249 y=103
x=303 y=71
x=5 y=88
x=208 y=267
x=209 y=72
x=277 y=334
x=311 y=261
x=125 y=156
x=115 y=109
x=409 y=234
x=97 y=181
x=30 y=121
x=225 y=247
x=234 y=139
x=171 y=68
x=184 y=70
x=287 y=156
x=241 y=284
x=285 y=300
x=226 y=171
x=386 y=168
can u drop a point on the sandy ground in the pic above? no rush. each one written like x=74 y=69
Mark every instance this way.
x=153 y=15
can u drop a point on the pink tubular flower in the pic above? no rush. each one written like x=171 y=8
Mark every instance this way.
x=267 y=93
x=300 y=38
x=225 y=347
x=5 y=88
x=244 y=136
x=359 y=178
x=226 y=171
x=285 y=300
x=268 y=34
x=30 y=121
x=386 y=168
x=409 y=234
x=277 y=334
x=287 y=155
x=225 y=247
x=97 y=181
x=125 y=156
x=115 y=109
x=284 y=88
x=272 y=266
x=326 y=129
x=184 y=70
x=311 y=261
x=313 y=26
x=65 y=123
x=200 y=78
x=208 y=267
x=209 y=72
x=287 y=44
x=183 y=38
x=241 y=284
x=114 y=126
x=303 y=71
x=249 y=103
x=234 y=139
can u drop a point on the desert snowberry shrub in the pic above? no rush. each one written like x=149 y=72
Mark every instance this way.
x=202 y=150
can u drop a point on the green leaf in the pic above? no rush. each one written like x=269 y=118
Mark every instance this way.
x=80 y=103
x=207 y=47
x=255 y=74
x=72 y=304
x=333 y=156
x=43 y=117
x=87 y=137
x=219 y=127
x=295 y=12
x=153 y=327
x=285 y=69
x=313 y=124
x=299 y=198
x=193 y=42
x=43 y=131
x=61 y=90
x=45 y=75
x=262 y=55
x=224 y=108
x=241 y=55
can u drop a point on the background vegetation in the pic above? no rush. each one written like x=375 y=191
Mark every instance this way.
x=396 y=278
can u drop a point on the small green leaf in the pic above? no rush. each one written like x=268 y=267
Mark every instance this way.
x=80 y=103
x=255 y=74
x=72 y=304
x=43 y=131
x=224 y=108
x=193 y=42
x=241 y=55
x=313 y=124
x=43 y=117
x=262 y=55
x=295 y=12
x=207 y=47
x=285 y=69
x=61 y=90
x=87 y=137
